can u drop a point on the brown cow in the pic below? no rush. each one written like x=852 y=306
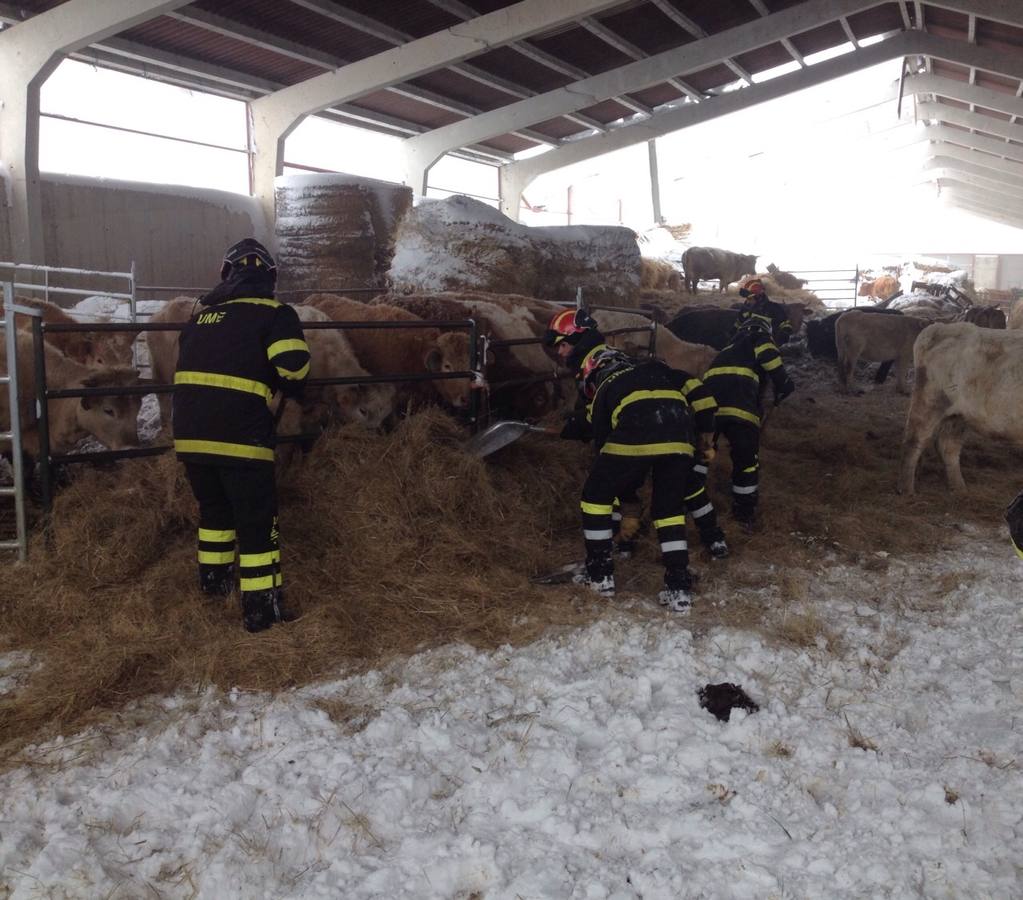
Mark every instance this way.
x=876 y=338
x=111 y=420
x=163 y=349
x=390 y=351
x=881 y=287
x=510 y=370
x=96 y=348
x=965 y=377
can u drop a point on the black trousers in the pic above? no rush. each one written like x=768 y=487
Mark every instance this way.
x=237 y=503
x=744 y=443
x=612 y=476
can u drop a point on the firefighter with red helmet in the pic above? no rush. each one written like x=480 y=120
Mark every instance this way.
x=638 y=417
x=237 y=351
x=757 y=305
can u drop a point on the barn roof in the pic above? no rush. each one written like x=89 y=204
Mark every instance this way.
x=627 y=72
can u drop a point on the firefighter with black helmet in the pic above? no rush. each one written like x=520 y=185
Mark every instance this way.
x=640 y=423
x=240 y=348
x=736 y=377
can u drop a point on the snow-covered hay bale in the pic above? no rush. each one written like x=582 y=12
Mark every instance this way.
x=461 y=244
x=336 y=231
x=603 y=261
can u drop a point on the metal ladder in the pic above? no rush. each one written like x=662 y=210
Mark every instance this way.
x=13 y=435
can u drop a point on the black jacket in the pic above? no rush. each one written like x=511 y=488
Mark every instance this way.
x=640 y=409
x=238 y=350
x=736 y=374
x=772 y=315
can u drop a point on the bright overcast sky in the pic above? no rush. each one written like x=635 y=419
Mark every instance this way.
x=826 y=175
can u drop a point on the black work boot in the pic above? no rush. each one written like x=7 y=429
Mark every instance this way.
x=261 y=609
x=746 y=516
x=714 y=540
x=216 y=581
x=677 y=593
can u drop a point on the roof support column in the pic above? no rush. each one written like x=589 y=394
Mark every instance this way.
x=512 y=186
x=417 y=170
x=655 y=182
x=29 y=53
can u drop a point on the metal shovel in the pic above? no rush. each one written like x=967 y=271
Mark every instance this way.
x=501 y=434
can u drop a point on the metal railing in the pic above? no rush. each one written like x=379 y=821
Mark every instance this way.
x=44 y=393
x=46 y=288
x=835 y=287
x=13 y=435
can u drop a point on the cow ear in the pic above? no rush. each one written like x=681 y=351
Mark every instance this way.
x=432 y=360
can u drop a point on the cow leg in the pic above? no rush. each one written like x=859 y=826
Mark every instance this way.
x=882 y=371
x=846 y=368
x=950 y=447
x=903 y=366
x=922 y=422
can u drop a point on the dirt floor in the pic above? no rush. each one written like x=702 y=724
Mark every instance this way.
x=399 y=542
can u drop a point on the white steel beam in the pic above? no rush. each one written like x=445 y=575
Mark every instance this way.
x=759 y=6
x=276 y=116
x=426 y=150
x=981 y=198
x=29 y=52
x=996 y=185
x=980 y=161
x=941 y=112
x=518 y=175
x=968 y=93
x=974 y=141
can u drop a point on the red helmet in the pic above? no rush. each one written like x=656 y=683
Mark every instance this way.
x=566 y=324
x=752 y=287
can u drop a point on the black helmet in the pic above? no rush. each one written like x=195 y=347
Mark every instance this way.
x=248 y=253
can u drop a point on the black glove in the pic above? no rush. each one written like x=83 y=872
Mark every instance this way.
x=577 y=428
x=786 y=388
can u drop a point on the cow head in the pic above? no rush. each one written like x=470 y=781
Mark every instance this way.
x=102 y=349
x=368 y=405
x=111 y=420
x=451 y=354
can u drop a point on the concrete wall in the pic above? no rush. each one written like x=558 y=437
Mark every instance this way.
x=1010 y=267
x=176 y=235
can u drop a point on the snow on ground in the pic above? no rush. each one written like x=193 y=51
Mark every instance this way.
x=579 y=767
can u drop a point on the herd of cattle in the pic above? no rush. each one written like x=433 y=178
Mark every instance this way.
x=966 y=376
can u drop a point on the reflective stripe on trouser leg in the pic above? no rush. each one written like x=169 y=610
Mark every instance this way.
x=699 y=507
x=667 y=507
x=253 y=499
x=744 y=444
x=216 y=534
x=609 y=477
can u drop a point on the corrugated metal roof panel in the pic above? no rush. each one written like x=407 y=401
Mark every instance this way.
x=879 y=20
x=656 y=95
x=647 y=28
x=584 y=50
x=607 y=111
x=996 y=36
x=823 y=37
x=464 y=90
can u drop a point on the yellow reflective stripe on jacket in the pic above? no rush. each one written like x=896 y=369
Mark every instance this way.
x=737 y=413
x=705 y=403
x=278 y=347
x=216 y=558
x=253 y=560
x=766 y=347
x=217 y=535
x=230 y=382
x=595 y=509
x=772 y=364
x=258 y=301
x=636 y=396
x=730 y=370
x=1019 y=552
x=671 y=520
x=691 y=385
x=662 y=449
x=297 y=375
x=221 y=448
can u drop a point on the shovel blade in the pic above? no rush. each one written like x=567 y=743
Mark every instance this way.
x=499 y=435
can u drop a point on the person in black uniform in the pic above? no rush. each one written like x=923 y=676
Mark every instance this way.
x=236 y=352
x=735 y=378
x=1014 y=516
x=640 y=422
x=757 y=305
